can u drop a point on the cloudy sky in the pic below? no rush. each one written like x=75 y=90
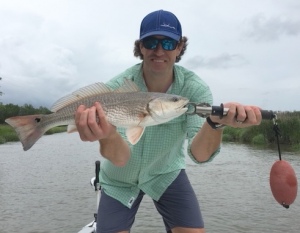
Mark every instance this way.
x=247 y=51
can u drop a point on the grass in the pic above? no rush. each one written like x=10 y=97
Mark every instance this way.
x=8 y=134
x=264 y=134
x=59 y=129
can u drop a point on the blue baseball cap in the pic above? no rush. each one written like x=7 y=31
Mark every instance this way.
x=162 y=23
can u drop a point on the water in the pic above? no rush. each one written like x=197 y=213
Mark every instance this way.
x=46 y=189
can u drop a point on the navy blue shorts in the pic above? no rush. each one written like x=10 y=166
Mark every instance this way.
x=178 y=207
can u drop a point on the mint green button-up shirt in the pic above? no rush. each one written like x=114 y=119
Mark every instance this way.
x=158 y=157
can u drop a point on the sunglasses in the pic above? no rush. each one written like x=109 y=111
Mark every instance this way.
x=166 y=43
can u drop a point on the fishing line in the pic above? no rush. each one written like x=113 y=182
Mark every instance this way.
x=277 y=134
x=283 y=180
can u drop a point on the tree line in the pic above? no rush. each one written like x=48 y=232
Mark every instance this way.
x=10 y=110
x=287 y=124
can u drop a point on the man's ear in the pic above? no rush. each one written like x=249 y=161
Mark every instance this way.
x=179 y=48
x=141 y=45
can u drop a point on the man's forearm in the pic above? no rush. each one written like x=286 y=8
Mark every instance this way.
x=115 y=149
x=206 y=142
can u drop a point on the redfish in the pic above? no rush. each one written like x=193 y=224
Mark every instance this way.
x=126 y=107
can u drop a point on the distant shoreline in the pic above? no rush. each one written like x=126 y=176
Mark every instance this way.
x=8 y=134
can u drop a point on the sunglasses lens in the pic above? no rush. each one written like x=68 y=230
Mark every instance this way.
x=167 y=44
x=150 y=43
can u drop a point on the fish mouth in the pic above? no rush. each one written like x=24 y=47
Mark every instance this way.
x=184 y=106
x=188 y=111
x=185 y=103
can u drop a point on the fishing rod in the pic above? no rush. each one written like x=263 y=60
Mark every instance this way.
x=283 y=180
x=91 y=227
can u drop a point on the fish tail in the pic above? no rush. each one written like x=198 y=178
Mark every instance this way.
x=28 y=128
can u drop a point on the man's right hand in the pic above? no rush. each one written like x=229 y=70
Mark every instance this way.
x=92 y=124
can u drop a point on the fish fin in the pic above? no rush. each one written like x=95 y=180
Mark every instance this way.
x=128 y=86
x=84 y=92
x=72 y=129
x=134 y=134
x=92 y=90
x=28 y=129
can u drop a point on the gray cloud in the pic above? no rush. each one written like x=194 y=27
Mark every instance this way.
x=261 y=28
x=223 y=61
x=49 y=50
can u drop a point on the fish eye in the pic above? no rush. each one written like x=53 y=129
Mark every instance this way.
x=175 y=99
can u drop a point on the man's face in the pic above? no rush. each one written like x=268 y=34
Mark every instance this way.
x=157 y=56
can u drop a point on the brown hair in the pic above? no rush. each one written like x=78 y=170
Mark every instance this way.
x=137 y=51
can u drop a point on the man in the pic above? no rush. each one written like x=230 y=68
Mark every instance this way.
x=156 y=164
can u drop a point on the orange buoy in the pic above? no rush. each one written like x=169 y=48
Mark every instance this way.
x=283 y=183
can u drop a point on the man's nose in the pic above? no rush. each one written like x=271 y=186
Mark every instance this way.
x=159 y=49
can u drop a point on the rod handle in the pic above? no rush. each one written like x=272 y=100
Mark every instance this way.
x=97 y=170
x=267 y=114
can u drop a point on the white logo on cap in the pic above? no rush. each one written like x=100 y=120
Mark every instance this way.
x=167 y=25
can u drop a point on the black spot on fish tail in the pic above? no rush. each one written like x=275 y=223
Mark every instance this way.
x=37 y=119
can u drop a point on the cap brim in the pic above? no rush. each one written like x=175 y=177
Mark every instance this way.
x=161 y=33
